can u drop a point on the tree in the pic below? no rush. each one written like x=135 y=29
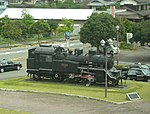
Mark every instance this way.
x=68 y=26
x=53 y=25
x=98 y=27
x=3 y=21
x=128 y=27
x=67 y=4
x=70 y=4
x=27 y=21
x=11 y=31
x=40 y=27
x=141 y=32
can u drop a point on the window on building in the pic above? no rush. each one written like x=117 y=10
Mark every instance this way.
x=1 y=3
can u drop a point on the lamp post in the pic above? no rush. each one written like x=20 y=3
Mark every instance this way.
x=117 y=28
x=103 y=44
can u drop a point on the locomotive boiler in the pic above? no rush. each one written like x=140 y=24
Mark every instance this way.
x=54 y=62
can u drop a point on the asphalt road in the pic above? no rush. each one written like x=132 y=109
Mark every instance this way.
x=38 y=103
x=142 y=55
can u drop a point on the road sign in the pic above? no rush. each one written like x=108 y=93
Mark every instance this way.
x=67 y=35
x=129 y=36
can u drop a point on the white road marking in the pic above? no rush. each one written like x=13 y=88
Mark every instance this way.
x=13 y=52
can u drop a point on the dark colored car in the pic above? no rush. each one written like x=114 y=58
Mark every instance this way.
x=8 y=65
x=139 y=65
x=138 y=74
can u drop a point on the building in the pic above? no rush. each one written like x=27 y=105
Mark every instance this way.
x=95 y=4
x=78 y=15
x=21 y=3
x=3 y=5
x=135 y=10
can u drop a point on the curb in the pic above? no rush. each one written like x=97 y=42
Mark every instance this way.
x=71 y=95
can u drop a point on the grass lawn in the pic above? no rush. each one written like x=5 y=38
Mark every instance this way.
x=114 y=94
x=6 y=111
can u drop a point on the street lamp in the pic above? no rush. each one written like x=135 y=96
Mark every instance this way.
x=103 y=44
x=117 y=28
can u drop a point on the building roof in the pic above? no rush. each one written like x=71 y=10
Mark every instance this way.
x=100 y=3
x=57 y=14
x=129 y=15
x=144 y=12
x=142 y=1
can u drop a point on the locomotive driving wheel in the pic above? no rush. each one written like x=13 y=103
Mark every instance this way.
x=58 y=78
x=36 y=77
x=86 y=82
x=111 y=82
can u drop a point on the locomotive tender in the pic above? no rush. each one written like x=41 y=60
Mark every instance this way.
x=54 y=62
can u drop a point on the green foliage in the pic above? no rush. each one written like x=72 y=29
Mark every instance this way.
x=124 y=45
x=42 y=6
x=11 y=30
x=27 y=20
x=3 y=21
x=68 y=25
x=98 y=27
x=120 y=66
x=117 y=5
x=141 y=32
x=128 y=25
x=6 y=111
x=68 y=4
x=102 y=8
x=40 y=27
x=53 y=25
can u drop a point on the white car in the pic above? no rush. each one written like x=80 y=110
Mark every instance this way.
x=113 y=49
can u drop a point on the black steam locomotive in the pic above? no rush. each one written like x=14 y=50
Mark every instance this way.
x=54 y=62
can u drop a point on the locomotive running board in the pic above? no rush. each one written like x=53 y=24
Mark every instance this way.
x=83 y=68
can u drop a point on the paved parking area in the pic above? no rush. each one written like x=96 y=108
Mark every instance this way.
x=39 y=103
x=140 y=55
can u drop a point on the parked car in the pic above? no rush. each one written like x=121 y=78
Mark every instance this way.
x=113 y=49
x=138 y=74
x=8 y=65
x=140 y=66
